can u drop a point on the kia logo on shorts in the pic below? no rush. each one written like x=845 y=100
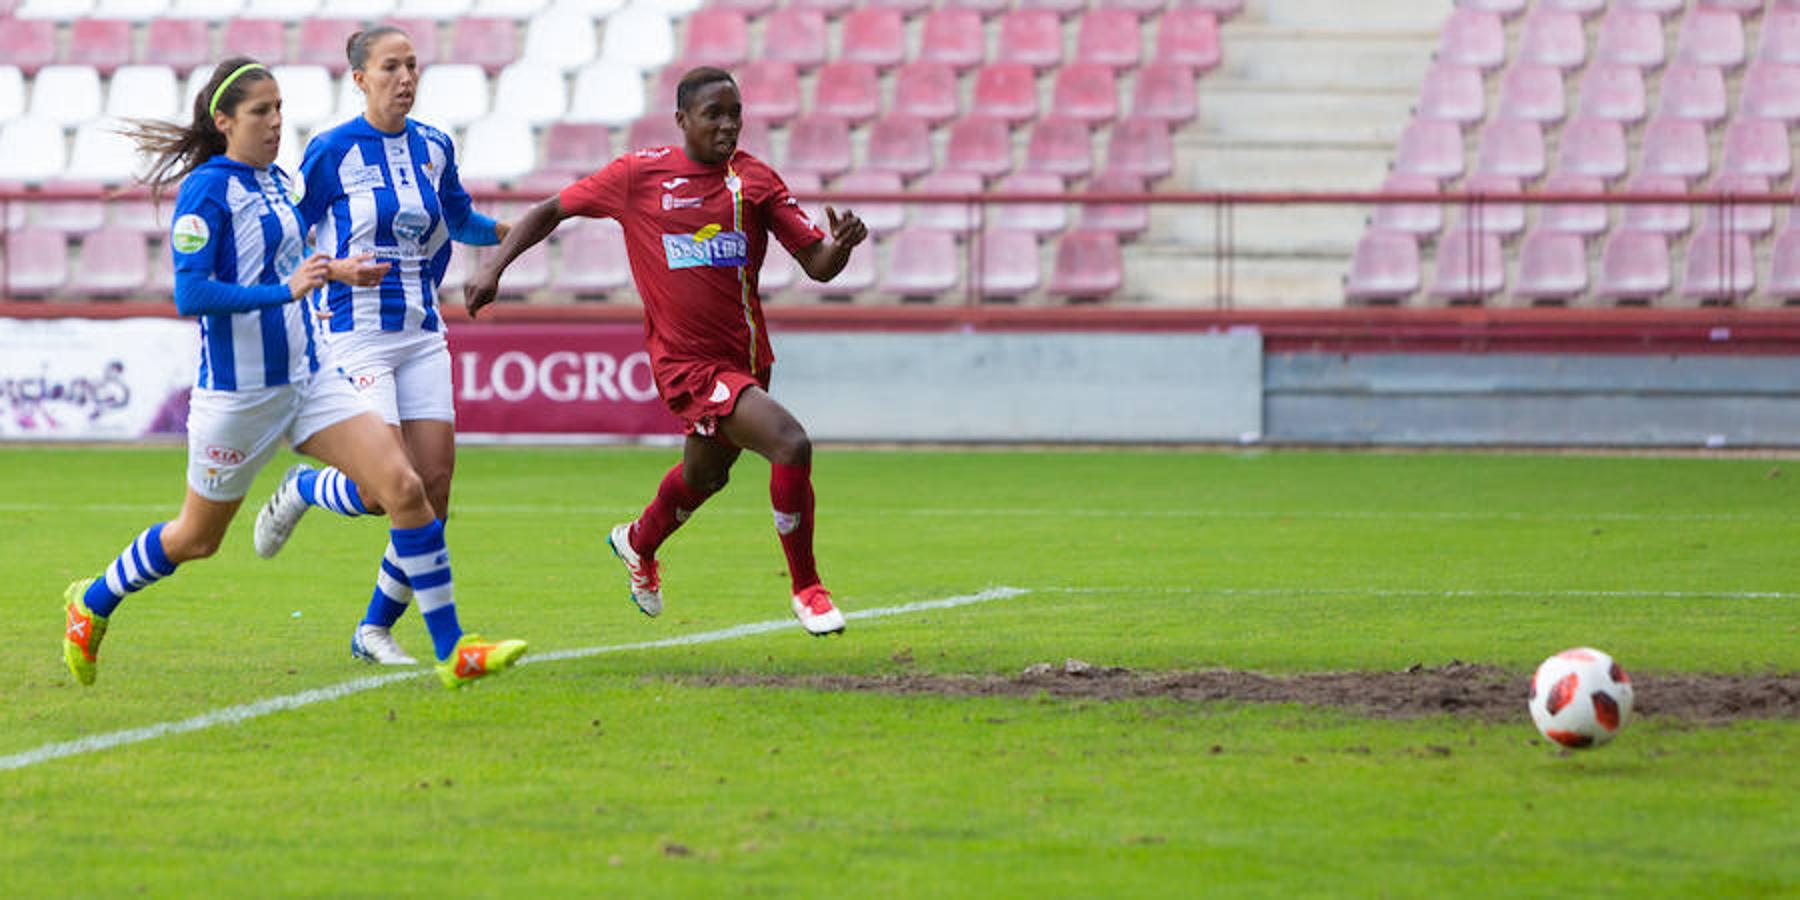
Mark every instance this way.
x=224 y=456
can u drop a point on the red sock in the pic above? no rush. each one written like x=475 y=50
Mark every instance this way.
x=790 y=491
x=674 y=502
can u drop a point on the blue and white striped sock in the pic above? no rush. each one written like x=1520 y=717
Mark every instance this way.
x=424 y=560
x=392 y=592
x=142 y=563
x=331 y=489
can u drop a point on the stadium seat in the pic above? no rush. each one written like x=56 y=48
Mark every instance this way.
x=451 y=95
x=1532 y=93
x=1060 y=145
x=576 y=148
x=716 y=37
x=1630 y=38
x=906 y=8
x=151 y=92
x=374 y=10
x=1612 y=91
x=530 y=271
x=926 y=91
x=104 y=44
x=609 y=93
x=819 y=143
x=66 y=95
x=794 y=35
x=1224 y=9
x=1030 y=37
x=35 y=262
x=115 y=262
x=770 y=90
x=957 y=217
x=807 y=186
x=321 y=43
x=1771 y=92
x=953 y=37
x=1416 y=219
x=1006 y=91
x=1583 y=219
x=639 y=36
x=1511 y=147
x=515 y=10
x=180 y=44
x=592 y=259
x=900 y=144
x=858 y=276
x=131 y=11
x=830 y=8
x=562 y=38
x=1089 y=265
x=1142 y=9
x=1064 y=8
x=486 y=42
x=1472 y=38
x=1165 y=92
x=875 y=36
x=1721 y=267
x=29 y=44
x=984 y=8
x=1188 y=37
x=654 y=130
x=753 y=138
x=1674 y=217
x=1657 y=8
x=1692 y=91
x=102 y=154
x=1784 y=268
x=531 y=91
x=1780 y=41
x=1109 y=37
x=1471 y=266
x=1710 y=37
x=1752 y=219
x=1552 y=38
x=70 y=216
x=264 y=40
x=1125 y=219
x=1592 y=147
x=1491 y=216
x=1674 y=146
x=279 y=10
x=1034 y=218
x=847 y=90
x=1553 y=265
x=424 y=34
x=308 y=96
x=12 y=93
x=1452 y=93
x=779 y=272
x=1141 y=147
x=1430 y=147
x=980 y=144
x=1086 y=92
x=58 y=10
x=1758 y=147
x=1582 y=8
x=1634 y=265
x=498 y=149
x=881 y=218
x=432 y=10
x=922 y=262
x=1006 y=263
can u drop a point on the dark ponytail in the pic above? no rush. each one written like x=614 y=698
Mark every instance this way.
x=179 y=149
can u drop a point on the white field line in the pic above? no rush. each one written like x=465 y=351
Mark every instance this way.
x=1427 y=593
x=232 y=715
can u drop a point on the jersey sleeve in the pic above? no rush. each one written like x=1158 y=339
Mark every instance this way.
x=318 y=172
x=600 y=195
x=790 y=224
x=201 y=240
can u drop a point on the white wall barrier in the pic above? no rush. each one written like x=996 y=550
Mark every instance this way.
x=86 y=379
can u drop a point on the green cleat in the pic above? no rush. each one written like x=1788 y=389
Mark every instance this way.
x=81 y=637
x=475 y=658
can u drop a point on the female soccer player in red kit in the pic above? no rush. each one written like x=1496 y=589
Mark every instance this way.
x=697 y=220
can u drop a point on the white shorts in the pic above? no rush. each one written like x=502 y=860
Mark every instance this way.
x=232 y=434
x=405 y=375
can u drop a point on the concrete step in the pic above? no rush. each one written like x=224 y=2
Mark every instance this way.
x=1305 y=115
x=1220 y=166
x=1349 y=15
x=1259 y=55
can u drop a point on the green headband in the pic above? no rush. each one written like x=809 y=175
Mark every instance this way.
x=213 y=108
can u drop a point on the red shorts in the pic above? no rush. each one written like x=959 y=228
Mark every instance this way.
x=700 y=393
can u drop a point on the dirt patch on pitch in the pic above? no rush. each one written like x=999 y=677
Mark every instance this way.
x=1486 y=692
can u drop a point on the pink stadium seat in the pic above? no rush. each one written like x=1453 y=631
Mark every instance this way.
x=654 y=130
x=753 y=138
x=1383 y=268
x=1780 y=42
x=1582 y=8
x=750 y=8
x=1088 y=265
x=1006 y=263
x=1634 y=265
x=1630 y=38
x=1064 y=8
x=1756 y=147
x=1658 y=8
x=927 y=91
x=1109 y=37
x=1710 y=37
x=104 y=44
x=1453 y=93
x=1751 y=219
x=35 y=263
x=716 y=37
x=71 y=216
x=906 y=8
x=1553 y=38
x=1470 y=265
x=321 y=43
x=1188 y=37
x=830 y=8
x=1061 y=146
x=1141 y=147
x=593 y=259
x=981 y=144
x=1784 y=270
x=1143 y=9
x=1721 y=267
x=1583 y=219
x=880 y=218
x=819 y=143
x=900 y=144
x=848 y=90
x=1613 y=91
x=922 y=262
x=1472 y=38
x=264 y=40
x=29 y=44
x=1552 y=266
x=146 y=218
x=115 y=262
x=1416 y=219
x=1006 y=91
x=1432 y=148
x=1085 y=91
x=1031 y=37
x=424 y=35
x=1532 y=93
x=770 y=90
x=1125 y=219
x=1511 y=147
x=490 y=43
x=1658 y=218
x=1691 y=91
x=874 y=35
x=576 y=148
x=956 y=217
x=1771 y=92
x=953 y=37
x=1593 y=147
x=1489 y=216
x=1036 y=218
x=1165 y=92
x=1676 y=147
x=795 y=35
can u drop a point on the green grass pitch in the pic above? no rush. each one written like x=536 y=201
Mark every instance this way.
x=632 y=773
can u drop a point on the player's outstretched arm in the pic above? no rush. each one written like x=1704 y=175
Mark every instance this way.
x=527 y=232
x=825 y=259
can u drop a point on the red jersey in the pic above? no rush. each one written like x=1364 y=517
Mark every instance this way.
x=696 y=236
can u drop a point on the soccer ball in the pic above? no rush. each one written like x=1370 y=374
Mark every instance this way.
x=1580 y=698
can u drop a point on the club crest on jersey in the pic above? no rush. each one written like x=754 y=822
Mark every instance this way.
x=670 y=201
x=710 y=246
x=190 y=234
x=410 y=224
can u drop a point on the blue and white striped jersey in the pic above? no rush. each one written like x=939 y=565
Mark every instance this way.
x=396 y=195
x=236 y=225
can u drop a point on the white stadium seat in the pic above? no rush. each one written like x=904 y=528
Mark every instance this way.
x=102 y=154
x=32 y=150
x=499 y=147
x=130 y=10
x=66 y=95
x=214 y=10
x=607 y=92
x=12 y=93
x=507 y=9
x=639 y=36
x=436 y=10
x=285 y=10
x=531 y=91
x=308 y=96
x=145 y=92
x=561 y=37
x=451 y=95
x=60 y=10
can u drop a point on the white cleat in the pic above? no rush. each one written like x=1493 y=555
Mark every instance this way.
x=816 y=613
x=375 y=644
x=646 y=574
x=280 y=513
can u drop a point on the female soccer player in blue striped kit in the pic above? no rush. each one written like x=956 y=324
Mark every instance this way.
x=242 y=269
x=384 y=184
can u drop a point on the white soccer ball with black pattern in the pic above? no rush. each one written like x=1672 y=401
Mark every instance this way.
x=1580 y=698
